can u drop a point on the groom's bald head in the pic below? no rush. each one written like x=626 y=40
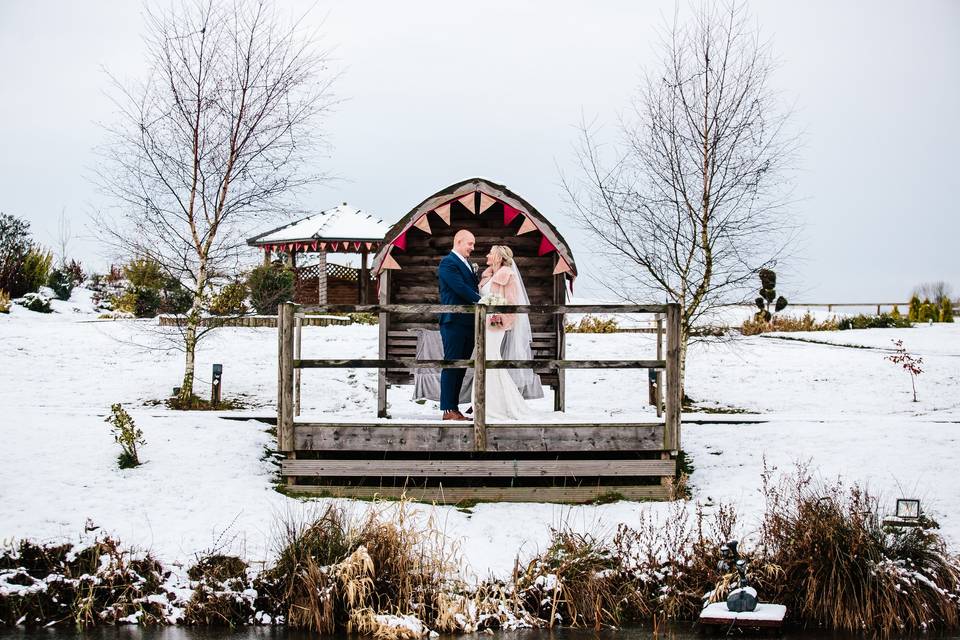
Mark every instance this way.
x=463 y=243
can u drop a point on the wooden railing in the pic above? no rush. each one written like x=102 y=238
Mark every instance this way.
x=290 y=361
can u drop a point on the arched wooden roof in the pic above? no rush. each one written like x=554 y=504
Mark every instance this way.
x=496 y=191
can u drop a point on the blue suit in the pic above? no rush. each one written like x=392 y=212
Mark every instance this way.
x=458 y=285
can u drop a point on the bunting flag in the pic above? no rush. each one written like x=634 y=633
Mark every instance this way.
x=545 y=246
x=526 y=227
x=369 y=246
x=486 y=202
x=356 y=246
x=509 y=213
x=323 y=246
x=562 y=266
x=389 y=262
x=444 y=212
x=469 y=202
x=423 y=224
x=314 y=245
x=401 y=241
x=334 y=246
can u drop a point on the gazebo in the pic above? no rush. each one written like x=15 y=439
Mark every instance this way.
x=342 y=230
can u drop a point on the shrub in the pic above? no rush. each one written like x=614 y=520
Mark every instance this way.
x=946 y=309
x=592 y=324
x=4 y=302
x=929 y=312
x=231 y=300
x=142 y=302
x=913 y=313
x=144 y=272
x=174 y=297
x=14 y=246
x=768 y=293
x=35 y=269
x=75 y=269
x=895 y=313
x=269 y=286
x=126 y=434
x=61 y=282
x=882 y=321
x=35 y=302
x=756 y=326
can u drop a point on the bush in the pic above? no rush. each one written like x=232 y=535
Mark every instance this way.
x=35 y=302
x=35 y=269
x=144 y=272
x=882 y=321
x=4 y=302
x=231 y=300
x=946 y=309
x=929 y=312
x=913 y=313
x=142 y=302
x=126 y=434
x=14 y=246
x=269 y=286
x=592 y=324
x=757 y=325
x=174 y=297
x=61 y=282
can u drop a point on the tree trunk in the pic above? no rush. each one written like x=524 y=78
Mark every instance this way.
x=684 y=338
x=190 y=340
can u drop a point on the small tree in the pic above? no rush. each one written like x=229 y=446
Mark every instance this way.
x=913 y=313
x=909 y=363
x=946 y=309
x=126 y=434
x=768 y=293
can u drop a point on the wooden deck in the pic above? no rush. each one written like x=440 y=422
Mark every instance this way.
x=463 y=461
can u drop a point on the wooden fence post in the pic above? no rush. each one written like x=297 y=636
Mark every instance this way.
x=384 y=326
x=285 y=321
x=671 y=431
x=297 y=338
x=480 y=380
x=659 y=374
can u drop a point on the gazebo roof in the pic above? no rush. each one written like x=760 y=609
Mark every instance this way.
x=340 y=223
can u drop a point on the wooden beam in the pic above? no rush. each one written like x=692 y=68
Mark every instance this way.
x=506 y=438
x=507 y=308
x=413 y=363
x=286 y=314
x=384 y=296
x=480 y=380
x=671 y=440
x=453 y=495
x=477 y=468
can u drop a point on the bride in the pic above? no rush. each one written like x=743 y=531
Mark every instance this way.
x=508 y=336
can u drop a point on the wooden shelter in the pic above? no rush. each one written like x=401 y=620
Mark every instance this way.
x=406 y=266
x=305 y=244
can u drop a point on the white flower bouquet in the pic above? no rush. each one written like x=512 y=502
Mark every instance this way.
x=492 y=299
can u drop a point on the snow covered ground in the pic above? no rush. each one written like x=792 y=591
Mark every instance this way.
x=205 y=485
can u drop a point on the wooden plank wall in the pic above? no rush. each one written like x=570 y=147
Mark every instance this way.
x=416 y=280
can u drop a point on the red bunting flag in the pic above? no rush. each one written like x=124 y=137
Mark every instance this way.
x=314 y=245
x=509 y=213
x=545 y=246
x=562 y=266
x=323 y=246
x=356 y=246
x=369 y=246
x=401 y=241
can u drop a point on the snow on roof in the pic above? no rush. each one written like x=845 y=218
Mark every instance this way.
x=342 y=222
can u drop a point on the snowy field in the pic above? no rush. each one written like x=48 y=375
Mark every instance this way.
x=204 y=485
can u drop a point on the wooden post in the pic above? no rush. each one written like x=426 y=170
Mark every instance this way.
x=266 y=257
x=671 y=431
x=298 y=329
x=384 y=328
x=364 y=275
x=480 y=380
x=659 y=357
x=559 y=297
x=285 y=320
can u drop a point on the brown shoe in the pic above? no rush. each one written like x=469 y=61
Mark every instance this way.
x=454 y=415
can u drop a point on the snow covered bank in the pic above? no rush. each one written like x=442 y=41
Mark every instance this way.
x=206 y=482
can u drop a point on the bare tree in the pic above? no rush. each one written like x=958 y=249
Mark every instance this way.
x=64 y=236
x=934 y=291
x=690 y=204
x=217 y=136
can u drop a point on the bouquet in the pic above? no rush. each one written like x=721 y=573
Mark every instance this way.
x=491 y=299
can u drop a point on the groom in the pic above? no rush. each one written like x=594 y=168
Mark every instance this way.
x=458 y=285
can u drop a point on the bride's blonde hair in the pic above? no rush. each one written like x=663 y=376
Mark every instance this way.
x=505 y=253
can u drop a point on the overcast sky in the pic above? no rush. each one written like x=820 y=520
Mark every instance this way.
x=439 y=91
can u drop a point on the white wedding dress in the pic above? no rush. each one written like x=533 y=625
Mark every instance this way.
x=503 y=399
